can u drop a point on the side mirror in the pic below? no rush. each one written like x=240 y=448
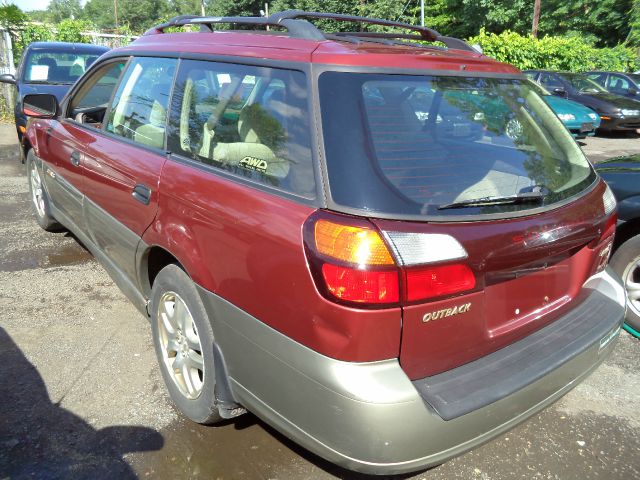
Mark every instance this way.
x=633 y=91
x=40 y=105
x=560 y=92
x=7 y=78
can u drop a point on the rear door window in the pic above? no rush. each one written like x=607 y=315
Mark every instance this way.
x=139 y=109
x=618 y=84
x=416 y=145
x=246 y=120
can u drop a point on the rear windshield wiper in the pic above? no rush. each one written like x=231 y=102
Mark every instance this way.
x=511 y=199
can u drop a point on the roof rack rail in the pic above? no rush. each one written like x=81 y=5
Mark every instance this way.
x=296 y=28
x=425 y=32
x=294 y=21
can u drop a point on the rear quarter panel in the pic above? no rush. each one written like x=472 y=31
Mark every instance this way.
x=245 y=245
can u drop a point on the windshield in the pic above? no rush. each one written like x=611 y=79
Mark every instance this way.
x=42 y=66
x=408 y=145
x=583 y=84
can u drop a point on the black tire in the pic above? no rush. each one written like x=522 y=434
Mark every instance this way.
x=173 y=282
x=625 y=263
x=39 y=200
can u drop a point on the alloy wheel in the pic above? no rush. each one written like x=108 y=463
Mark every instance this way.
x=37 y=194
x=180 y=345
x=631 y=279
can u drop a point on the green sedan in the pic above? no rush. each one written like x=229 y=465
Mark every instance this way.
x=581 y=121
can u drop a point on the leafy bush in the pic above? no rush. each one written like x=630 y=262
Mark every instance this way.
x=555 y=53
x=30 y=33
x=68 y=30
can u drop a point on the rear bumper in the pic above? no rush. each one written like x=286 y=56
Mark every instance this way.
x=370 y=417
x=582 y=129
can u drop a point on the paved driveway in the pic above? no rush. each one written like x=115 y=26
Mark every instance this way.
x=610 y=145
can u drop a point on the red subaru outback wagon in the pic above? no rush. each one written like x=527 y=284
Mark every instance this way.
x=390 y=251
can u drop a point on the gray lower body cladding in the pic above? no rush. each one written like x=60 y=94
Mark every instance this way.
x=501 y=373
x=370 y=417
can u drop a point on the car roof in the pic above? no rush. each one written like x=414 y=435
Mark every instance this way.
x=67 y=46
x=276 y=46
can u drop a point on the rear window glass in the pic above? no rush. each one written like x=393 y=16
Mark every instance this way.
x=56 y=67
x=415 y=145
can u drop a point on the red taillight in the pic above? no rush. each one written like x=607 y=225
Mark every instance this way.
x=605 y=243
x=352 y=263
x=362 y=286
x=428 y=282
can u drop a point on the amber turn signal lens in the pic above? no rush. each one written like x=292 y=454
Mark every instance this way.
x=356 y=245
x=22 y=129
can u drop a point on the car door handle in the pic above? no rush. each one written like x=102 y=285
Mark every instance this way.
x=142 y=193
x=75 y=158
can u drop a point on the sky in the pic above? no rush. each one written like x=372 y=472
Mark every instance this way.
x=27 y=5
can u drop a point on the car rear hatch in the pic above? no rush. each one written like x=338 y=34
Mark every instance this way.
x=528 y=271
x=494 y=217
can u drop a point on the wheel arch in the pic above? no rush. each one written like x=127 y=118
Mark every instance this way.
x=169 y=240
x=25 y=146
x=153 y=259
x=626 y=231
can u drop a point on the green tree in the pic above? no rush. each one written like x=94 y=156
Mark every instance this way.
x=59 y=10
x=100 y=13
x=633 y=38
x=12 y=17
x=185 y=7
x=136 y=15
x=141 y=14
x=607 y=21
x=233 y=8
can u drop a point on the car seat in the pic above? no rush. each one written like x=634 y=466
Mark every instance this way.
x=151 y=132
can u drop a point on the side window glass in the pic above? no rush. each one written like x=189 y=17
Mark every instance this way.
x=599 y=78
x=139 y=108
x=247 y=120
x=617 y=83
x=549 y=81
x=90 y=103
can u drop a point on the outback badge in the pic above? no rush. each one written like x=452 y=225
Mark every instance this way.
x=446 y=312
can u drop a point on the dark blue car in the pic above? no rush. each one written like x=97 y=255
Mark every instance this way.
x=623 y=176
x=49 y=67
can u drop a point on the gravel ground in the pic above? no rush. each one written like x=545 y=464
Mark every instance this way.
x=82 y=396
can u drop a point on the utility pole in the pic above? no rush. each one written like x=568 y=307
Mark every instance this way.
x=202 y=8
x=422 y=13
x=536 y=18
x=115 y=11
